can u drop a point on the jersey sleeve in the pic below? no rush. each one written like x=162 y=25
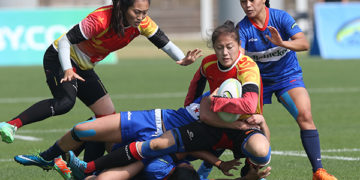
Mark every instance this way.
x=289 y=25
x=247 y=104
x=74 y=35
x=148 y=27
x=196 y=88
x=94 y=24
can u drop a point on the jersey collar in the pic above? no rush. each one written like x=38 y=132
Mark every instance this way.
x=266 y=21
x=228 y=69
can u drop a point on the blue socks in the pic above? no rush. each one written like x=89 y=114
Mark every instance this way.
x=51 y=153
x=311 y=143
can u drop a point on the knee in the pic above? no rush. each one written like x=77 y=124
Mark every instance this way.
x=80 y=131
x=305 y=116
x=63 y=105
x=258 y=149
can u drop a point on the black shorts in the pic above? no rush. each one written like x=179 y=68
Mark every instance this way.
x=199 y=136
x=88 y=92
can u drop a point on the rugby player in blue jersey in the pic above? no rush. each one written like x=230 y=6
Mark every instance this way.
x=125 y=127
x=271 y=38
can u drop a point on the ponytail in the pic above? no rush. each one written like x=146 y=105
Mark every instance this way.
x=117 y=18
x=267 y=3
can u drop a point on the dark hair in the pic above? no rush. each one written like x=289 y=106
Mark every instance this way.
x=228 y=28
x=118 y=14
x=181 y=173
x=267 y=3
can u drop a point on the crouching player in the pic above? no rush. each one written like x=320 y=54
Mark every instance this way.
x=196 y=136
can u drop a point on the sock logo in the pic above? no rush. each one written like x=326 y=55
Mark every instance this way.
x=127 y=152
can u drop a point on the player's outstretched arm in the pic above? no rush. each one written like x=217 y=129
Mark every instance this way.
x=190 y=57
x=298 y=41
x=224 y=166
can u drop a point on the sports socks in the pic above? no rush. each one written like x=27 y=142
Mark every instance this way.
x=119 y=157
x=36 y=112
x=311 y=143
x=51 y=153
x=16 y=122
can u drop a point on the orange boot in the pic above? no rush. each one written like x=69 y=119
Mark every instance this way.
x=321 y=174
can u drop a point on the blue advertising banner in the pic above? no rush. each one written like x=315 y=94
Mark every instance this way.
x=338 y=30
x=25 y=34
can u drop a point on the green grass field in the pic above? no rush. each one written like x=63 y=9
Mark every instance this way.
x=156 y=82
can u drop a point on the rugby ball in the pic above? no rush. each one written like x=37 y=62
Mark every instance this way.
x=230 y=88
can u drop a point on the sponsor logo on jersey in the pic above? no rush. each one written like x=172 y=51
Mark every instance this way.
x=273 y=54
x=252 y=40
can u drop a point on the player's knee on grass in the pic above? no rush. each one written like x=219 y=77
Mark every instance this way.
x=257 y=149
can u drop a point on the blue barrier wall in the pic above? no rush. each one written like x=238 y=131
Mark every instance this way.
x=338 y=30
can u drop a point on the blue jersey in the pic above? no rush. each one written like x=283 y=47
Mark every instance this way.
x=276 y=63
x=182 y=116
x=147 y=124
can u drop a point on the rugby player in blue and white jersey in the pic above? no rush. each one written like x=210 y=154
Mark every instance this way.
x=271 y=38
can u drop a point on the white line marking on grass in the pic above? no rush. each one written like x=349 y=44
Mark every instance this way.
x=341 y=150
x=113 y=96
x=169 y=95
x=6 y=160
x=34 y=131
x=303 y=154
x=27 y=138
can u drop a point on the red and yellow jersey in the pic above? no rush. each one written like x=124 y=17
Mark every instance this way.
x=244 y=69
x=101 y=39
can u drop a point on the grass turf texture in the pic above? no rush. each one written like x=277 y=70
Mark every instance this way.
x=154 y=81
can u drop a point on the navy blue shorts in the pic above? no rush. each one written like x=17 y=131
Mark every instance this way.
x=281 y=87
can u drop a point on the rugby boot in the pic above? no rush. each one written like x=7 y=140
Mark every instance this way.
x=34 y=160
x=321 y=174
x=7 y=132
x=61 y=167
x=77 y=166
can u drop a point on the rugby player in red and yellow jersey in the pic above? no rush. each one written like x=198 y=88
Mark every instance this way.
x=69 y=61
x=228 y=62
